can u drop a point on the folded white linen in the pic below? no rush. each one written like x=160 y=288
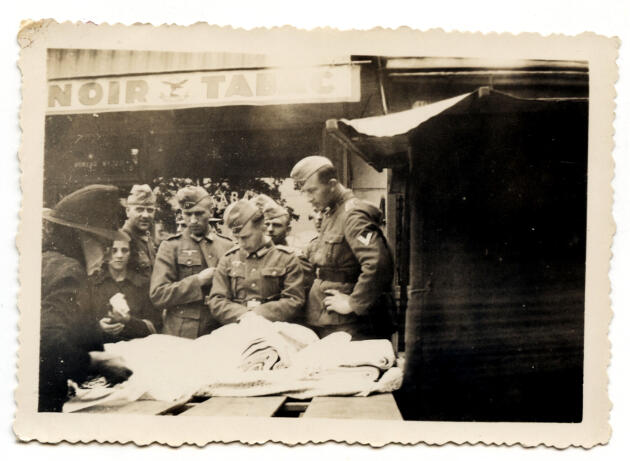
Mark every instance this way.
x=253 y=357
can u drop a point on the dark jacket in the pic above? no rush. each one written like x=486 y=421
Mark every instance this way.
x=68 y=330
x=175 y=286
x=145 y=319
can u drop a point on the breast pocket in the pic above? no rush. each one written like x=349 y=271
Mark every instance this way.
x=189 y=262
x=236 y=274
x=272 y=281
x=333 y=244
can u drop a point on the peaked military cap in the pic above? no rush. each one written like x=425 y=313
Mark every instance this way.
x=239 y=214
x=307 y=167
x=141 y=195
x=95 y=209
x=190 y=196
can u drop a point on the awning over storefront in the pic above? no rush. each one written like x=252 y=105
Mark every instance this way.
x=383 y=141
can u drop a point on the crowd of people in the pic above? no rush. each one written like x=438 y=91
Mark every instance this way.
x=102 y=285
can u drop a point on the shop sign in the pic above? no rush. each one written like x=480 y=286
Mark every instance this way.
x=205 y=89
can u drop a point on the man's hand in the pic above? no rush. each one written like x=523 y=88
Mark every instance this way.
x=110 y=327
x=205 y=276
x=337 y=302
x=110 y=366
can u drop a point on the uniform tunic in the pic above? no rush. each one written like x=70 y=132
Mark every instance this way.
x=351 y=255
x=68 y=330
x=175 y=286
x=145 y=319
x=268 y=282
x=307 y=267
x=145 y=250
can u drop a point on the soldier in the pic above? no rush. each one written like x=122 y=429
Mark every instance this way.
x=277 y=223
x=185 y=265
x=317 y=218
x=140 y=215
x=277 y=219
x=354 y=265
x=256 y=275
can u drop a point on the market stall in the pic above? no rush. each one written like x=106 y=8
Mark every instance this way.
x=494 y=212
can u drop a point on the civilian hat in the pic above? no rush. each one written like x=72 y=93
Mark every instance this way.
x=95 y=209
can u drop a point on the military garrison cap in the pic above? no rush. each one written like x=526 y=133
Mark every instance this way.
x=190 y=196
x=307 y=167
x=269 y=207
x=274 y=211
x=141 y=195
x=239 y=214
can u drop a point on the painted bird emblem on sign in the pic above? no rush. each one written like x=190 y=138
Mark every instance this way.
x=174 y=87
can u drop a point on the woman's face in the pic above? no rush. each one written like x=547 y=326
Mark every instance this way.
x=119 y=255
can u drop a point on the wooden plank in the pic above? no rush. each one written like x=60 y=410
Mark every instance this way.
x=237 y=406
x=379 y=406
x=139 y=407
x=295 y=407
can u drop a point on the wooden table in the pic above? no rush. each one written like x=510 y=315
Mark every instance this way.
x=379 y=406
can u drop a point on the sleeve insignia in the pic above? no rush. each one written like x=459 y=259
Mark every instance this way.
x=365 y=238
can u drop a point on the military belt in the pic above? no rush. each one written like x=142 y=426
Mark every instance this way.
x=339 y=276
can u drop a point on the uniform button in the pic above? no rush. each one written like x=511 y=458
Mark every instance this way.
x=254 y=269
x=189 y=262
x=253 y=285
x=274 y=272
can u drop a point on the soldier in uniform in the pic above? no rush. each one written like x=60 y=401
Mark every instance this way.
x=185 y=266
x=277 y=219
x=256 y=275
x=140 y=216
x=317 y=218
x=277 y=223
x=353 y=263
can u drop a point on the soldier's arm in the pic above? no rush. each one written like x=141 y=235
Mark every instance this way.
x=291 y=297
x=221 y=305
x=368 y=246
x=166 y=291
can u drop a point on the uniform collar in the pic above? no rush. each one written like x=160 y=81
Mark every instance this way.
x=343 y=197
x=262 y=251
x=132 y=231
x=209 y=236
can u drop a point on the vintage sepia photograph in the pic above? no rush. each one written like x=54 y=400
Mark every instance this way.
x=340 y=237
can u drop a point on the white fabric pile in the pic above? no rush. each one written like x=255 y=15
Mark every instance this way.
x=251 y=358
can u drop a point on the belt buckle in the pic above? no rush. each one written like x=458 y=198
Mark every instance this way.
x=253 y=303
